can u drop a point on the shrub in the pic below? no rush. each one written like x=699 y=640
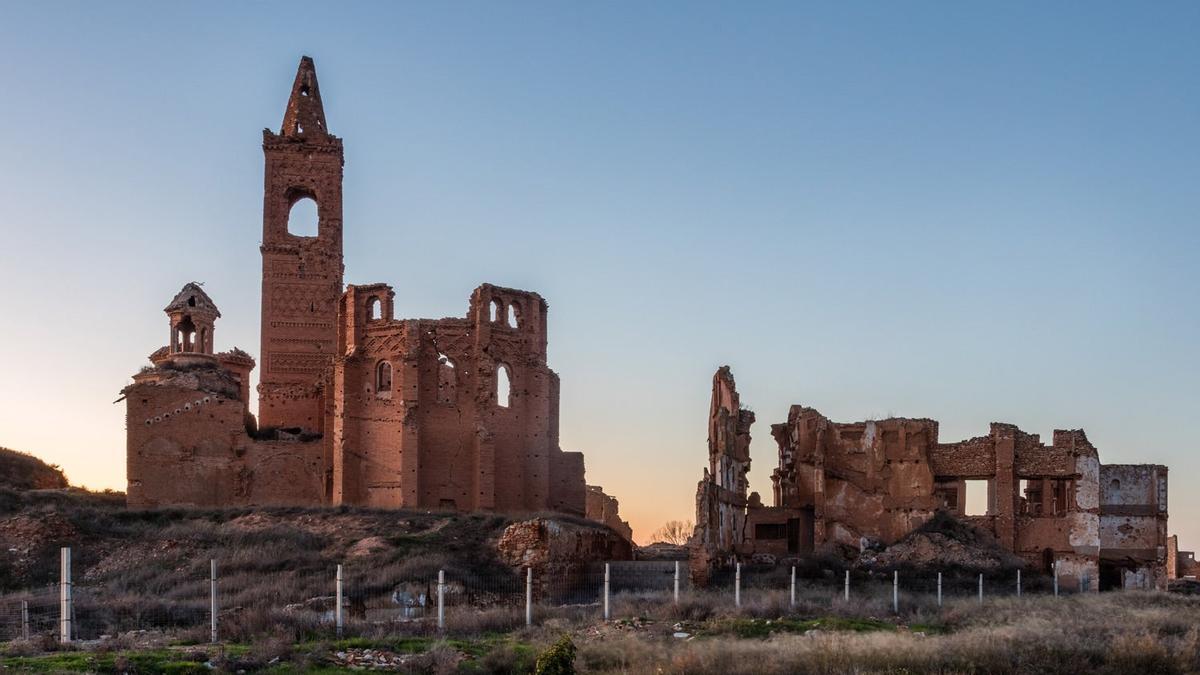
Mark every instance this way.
x=559 y=659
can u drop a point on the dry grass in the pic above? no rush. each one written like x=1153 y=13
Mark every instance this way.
x=1111 y=633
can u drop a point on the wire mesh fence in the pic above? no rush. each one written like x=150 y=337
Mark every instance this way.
x=236 y=599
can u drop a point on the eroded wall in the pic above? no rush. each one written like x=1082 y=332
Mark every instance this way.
x=604 y=508
x=1133 y=525
x=841 y=487
x=189 y=447
x=450 y=413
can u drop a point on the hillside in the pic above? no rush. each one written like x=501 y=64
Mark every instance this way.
x=22 y=471
x=151 y=567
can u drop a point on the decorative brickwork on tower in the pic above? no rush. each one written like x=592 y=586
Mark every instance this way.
x=301 y=275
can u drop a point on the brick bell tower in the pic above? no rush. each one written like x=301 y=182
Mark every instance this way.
x=301 y=275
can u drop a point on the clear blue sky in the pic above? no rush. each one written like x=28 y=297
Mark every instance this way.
x=950 y=210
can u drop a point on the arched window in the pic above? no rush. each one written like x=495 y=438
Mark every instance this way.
x=302 y=218
x=1114 y=485
x=514 y=313
x=495 y=315
x=374 y=309
x=383 y=380
x=447 y=391
x=503 y=387
x=186 y=330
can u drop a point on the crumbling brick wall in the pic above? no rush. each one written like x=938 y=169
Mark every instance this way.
x=721 y=498
x=188 y=445
x=422 y=417
x=843 y=486
x=1133 y=525
x=603 y=508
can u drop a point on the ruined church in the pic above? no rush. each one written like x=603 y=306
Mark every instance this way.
x=355 y=405
x=840 y=488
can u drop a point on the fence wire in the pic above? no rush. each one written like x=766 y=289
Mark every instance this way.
x=251 y=598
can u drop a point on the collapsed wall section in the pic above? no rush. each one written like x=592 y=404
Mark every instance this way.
x=842 y=488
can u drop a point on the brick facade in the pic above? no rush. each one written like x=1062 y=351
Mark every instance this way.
x=356 y=406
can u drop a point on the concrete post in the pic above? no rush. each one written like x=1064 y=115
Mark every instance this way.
x=677 y=582
x=792 y=590
x=65 y=608
x=212 y=600
x=1056 y=578
x=737 y=585
x=981 y=588
x=529 y=596
x=896 y=591
x=338 y=619
x=846 y=588
x=606 y=614
x=25 y=619
x=1018 y=583
x=939 y=589
x=441 y=590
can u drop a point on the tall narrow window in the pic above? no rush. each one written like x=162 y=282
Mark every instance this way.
x=374 y=309
x=495 y=313
x=302 y=218
x=503 y=387
x=513 y=314
x=383 y=380
x=447 y=391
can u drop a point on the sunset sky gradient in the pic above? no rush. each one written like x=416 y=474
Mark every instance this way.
x=962 y=211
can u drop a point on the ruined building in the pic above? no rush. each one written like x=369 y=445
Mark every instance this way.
x=356 y=405
x=840 y=487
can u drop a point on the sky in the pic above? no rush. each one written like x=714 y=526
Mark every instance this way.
x=973 y=212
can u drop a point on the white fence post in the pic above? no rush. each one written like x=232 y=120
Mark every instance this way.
x=846 y=590
x=528 y=596
x=64 y=596
x=441 y=599
x=212 y=600
x=939 y=589
x=677 y=582
x=25 y=619
x=1056 y=578
x=981 y=588
x=338 y=619
x=606 y=614
x=896 y=591
x=793 y=587
x=737 y=585
x=1018 y=583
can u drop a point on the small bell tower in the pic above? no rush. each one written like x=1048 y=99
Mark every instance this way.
x=193 y=315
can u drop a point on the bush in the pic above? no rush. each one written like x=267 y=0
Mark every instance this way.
x=559 y=659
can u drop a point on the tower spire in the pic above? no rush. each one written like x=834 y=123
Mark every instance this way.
x=305 y=116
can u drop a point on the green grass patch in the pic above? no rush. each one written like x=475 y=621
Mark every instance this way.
x=167 y=662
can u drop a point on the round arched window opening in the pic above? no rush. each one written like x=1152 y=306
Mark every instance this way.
x=303 y=218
